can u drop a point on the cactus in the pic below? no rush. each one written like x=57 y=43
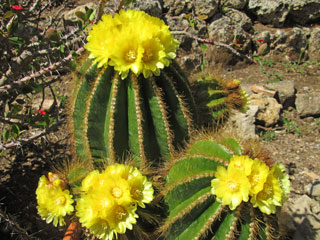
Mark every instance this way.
x=195 y=212
x=217 y=98
x=148 y=117
x=131 y=106
x=121 y=108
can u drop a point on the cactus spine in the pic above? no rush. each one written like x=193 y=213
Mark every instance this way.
x=146 y=117
x=194 y=212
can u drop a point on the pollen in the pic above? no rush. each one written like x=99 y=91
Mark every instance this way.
x=116 y=192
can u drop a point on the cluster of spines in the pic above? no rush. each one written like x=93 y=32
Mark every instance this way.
x=194 y=212
x=148 y=118
x=217 y=98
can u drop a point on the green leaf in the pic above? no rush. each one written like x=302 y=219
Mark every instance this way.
x=81 y=15
x=62 y=48
x=8 y=14
x=15 y=131
x=210 y=148
x=203 y=46
x=92 y=15
x=191 y=23
x=6 y=135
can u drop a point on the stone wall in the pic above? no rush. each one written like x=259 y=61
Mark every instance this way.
x=288 y=27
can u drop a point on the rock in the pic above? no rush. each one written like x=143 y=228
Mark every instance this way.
x=206 y=7
x=239 y=19
x=244 y=122
x=314 y=45
x=313 y=189
x=152 y=7
x=308 y=104
x=71 y=16
x=285 y=92
x=305 y=11
x=236 y=4
x=269 y=109
x=303 y=213
x=177 y=7
x=273 y=12
x=190 y=63
x=227 y=29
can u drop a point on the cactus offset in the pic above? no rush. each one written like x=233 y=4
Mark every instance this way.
x=196 y=213
x=217 y=98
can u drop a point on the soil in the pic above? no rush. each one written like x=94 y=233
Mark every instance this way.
x=298 y=148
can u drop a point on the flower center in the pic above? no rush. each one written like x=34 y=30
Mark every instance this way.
x=60 y=200
x=120 y=213
x=233 y=186
x=147 y=57
x=116 y=192
x=137 y=194
x=131 y=56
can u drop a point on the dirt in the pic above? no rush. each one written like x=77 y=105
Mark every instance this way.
x=296 y=146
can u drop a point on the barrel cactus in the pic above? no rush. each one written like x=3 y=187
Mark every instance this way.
x=130 y=97
x=131 y=106
x=221 y=189
x=217 y=99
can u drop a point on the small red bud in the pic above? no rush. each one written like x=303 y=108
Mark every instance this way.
x=17 y=7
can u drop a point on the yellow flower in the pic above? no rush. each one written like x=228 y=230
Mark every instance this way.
x=241 y=163
x=132 y=41
x=109 y=200
x=269 y=197
x=278 y=171
x=100 y=213
x=141 y=188
x=54 y=203
x=258 y=176
x=230 y=187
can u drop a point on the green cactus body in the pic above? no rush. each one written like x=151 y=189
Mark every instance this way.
x=147 y=118
x=194 y=212
x=217 y=98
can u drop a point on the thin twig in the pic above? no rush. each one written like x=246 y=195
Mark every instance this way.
x=24 y=141
x=211 y=42
x=15 y=227
x=7 y=89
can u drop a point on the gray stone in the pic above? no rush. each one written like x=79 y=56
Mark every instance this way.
x=303 y=213
x=273 y=12
x=244 y=122
x=314 y=45
x=285 y=92
x=239 y=19
x=227 y=30
x=152 y=7
x=269 y=109
x=190 y=63
x=305 y=11
x=313 y=189
x=177 y=7
x=206 y=7
x=236 y=4
x=70 y=15
x=302 y=218
x=308 y=104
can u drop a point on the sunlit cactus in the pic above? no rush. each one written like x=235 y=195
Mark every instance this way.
x=215 y=191
x=132 y=99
